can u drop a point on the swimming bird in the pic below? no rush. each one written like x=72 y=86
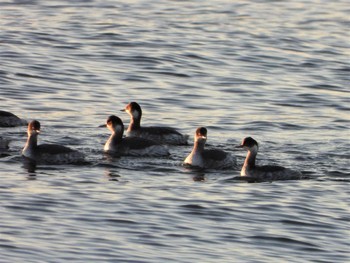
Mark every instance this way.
x=48 y=153
x=133 y=146
x=266 y=172
x=213 y=158
x=8 y=119
x=165 y=135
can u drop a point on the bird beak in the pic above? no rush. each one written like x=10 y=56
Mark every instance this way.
x=123 y=110
x=239 y=146
x=102 y=126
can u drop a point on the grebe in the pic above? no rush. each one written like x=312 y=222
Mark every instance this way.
x=203 y=158
x=133 y=146
x=166 y=135
x=48 y=153
x=266 y=172
x=8 y=119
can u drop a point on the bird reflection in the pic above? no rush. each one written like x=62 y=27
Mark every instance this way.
x=30 y=167
x=199 y=177
x=111 y=175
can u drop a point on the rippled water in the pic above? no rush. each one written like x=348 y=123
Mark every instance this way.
x=275 y=70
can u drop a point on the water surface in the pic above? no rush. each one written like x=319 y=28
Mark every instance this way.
x=276 y=71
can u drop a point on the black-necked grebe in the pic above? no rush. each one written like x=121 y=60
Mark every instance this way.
x=8 y=119
x=266 y=172
x=166 y=135
x=48 y=153
x=214 y=158
x=133 y=146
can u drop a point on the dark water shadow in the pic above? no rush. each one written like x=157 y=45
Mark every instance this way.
x=306 y=175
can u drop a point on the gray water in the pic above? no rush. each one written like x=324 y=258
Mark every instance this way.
x=278 y=71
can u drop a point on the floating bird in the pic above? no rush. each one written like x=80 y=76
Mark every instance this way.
x=48 y=153
x=8 y=119
x=213 y=158
x=266 y=172
x=133 y=146
x=165 y=135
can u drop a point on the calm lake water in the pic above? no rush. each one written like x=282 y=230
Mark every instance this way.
x=278 y=71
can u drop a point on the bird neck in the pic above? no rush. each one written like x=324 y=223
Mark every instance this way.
x=198 y=146
x=116 y=136
x=32 y=141
x=249 y=162
x=135 y=123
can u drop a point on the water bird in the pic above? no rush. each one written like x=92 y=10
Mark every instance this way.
x=265 y=172
x=48 y=153
x=165 y=135
x=212 y=158
x=133 y=146
x=8 y=119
